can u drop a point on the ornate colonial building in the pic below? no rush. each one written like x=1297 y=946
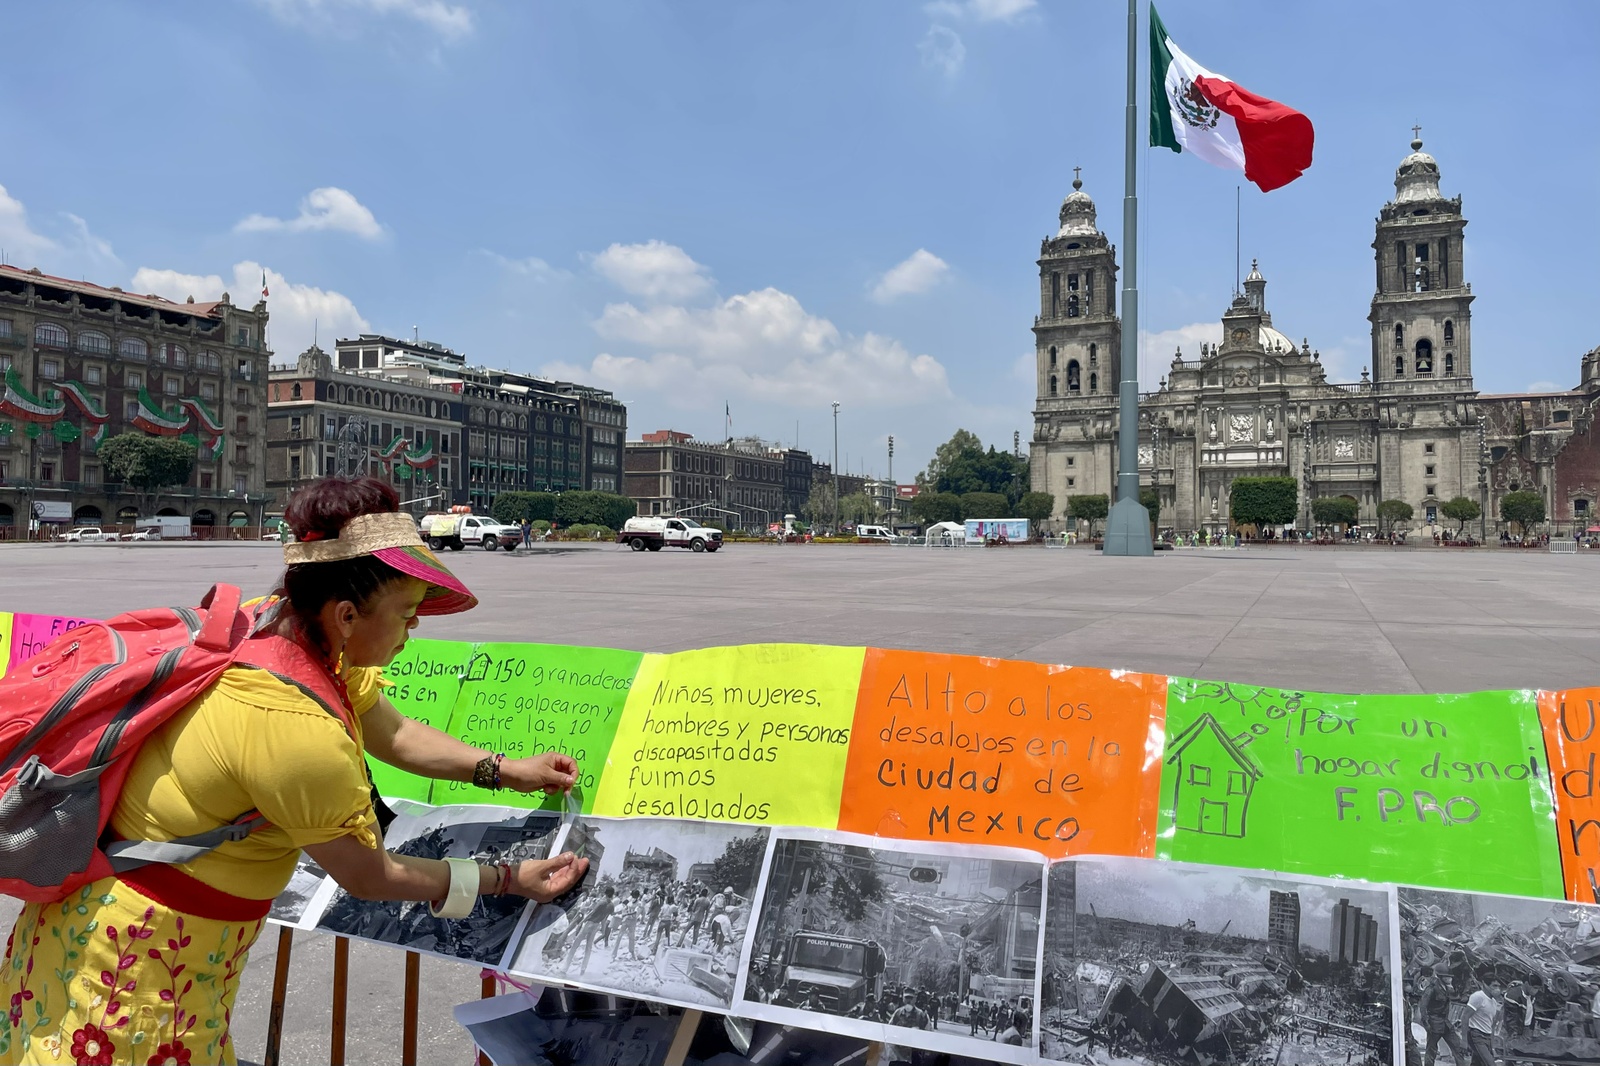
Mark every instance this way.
x=1257 y=404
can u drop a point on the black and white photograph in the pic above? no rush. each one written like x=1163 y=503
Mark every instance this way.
x=1162 y=963
x=661 y=914
x=1499 y=978
x=923 y=947
x=486 y=834
x=293 y=903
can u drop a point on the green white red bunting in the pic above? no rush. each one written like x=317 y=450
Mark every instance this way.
x=1196 y=110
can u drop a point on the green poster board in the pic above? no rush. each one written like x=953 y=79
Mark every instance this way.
x=525 y=699
x=1411 y=788
x=425 y=678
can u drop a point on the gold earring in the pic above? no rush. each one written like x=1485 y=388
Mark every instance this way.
x=338 y=666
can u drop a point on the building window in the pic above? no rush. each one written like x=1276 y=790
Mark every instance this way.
x=1072 y=377
x=1580 y=507
x=295 y=425
x=1431 y=513
x=50 y=369
x=241 y=337
x=179 y=355
x=171 y=385
x=1399 y=335
x=1071 y=481
x=1428 y=447
x=132 y=348
x=1399 y=366
x=5 y=327
x=1094 y=354
x=91 y=475
x=133 y=379
x=1431 y=490
x=90 y=341
x=1427 y=471
x=1072 y=305
x=241 y=425
x=241 y=395
x=130 y=410
x=49 y=335
x=241 y=454
x=208 y=390
x=1449 y=362
x=238 y=485
x=1052 y=357
x=1052 y=384
x=47 y=471
x=1424 y=356
x=1449 y=332
x=1094 y=384
x=93 y=375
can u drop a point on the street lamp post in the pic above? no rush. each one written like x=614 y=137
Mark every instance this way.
x=892 y=493
x=836 y=468
x=1483 y=484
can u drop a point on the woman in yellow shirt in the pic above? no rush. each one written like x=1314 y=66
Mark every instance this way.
x=143 y=967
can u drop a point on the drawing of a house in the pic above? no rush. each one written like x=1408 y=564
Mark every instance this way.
x=1212 y=780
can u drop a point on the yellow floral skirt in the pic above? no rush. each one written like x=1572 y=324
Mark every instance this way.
x=109 y=976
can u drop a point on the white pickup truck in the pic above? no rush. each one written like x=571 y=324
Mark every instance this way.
x=456 y=531
x=653 y=534
x=90 y=535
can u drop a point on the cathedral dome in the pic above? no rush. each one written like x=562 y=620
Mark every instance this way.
x=1077 y=213
x=1417 y=177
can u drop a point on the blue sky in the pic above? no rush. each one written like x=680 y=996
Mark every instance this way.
x=777 y=205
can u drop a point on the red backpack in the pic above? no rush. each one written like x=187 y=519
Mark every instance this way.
x=76 y=713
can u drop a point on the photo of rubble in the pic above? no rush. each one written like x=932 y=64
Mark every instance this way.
x=919 y=947
x=292 y=903
x=662 y=913
x=486 y=834
x=1535 y=961
x=1162 y=963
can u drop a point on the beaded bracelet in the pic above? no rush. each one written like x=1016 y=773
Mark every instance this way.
x=487 y=773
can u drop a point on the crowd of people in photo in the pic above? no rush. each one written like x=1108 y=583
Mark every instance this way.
x=638 y=917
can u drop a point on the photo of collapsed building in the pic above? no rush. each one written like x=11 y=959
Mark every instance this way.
x=484 y=834
x=291 y=904
x=1167 y=963
x=1536 y=961
x=662 y=912
x=915 y=940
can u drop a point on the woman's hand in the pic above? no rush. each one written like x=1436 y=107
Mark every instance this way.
x=545 y=879
x=551 y=772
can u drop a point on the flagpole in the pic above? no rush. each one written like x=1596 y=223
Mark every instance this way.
x=1128 y=524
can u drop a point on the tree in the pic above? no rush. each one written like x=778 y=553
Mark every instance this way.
x=961 y=442
x=513 y=507
x=857 y=507
x=1089 y=509
x=819 y=505
x=1335 y=511
x=929 y=507
x=985 y=505
x=1263 y=501
x=1462 y=509
x=1035 y=506
x=147 y=464
x=1525 y=508
x=581 y=507
x=1150 y=500
x=1392 y=511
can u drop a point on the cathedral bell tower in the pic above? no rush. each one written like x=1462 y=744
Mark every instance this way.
x=1077 y=343
x=1422 y=312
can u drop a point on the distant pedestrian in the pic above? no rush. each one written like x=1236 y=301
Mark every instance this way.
x=527 y=533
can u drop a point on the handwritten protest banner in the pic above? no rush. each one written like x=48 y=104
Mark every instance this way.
x=525 y=699
x=31 y=632
x=423 y=682
x=1416 y=789
x=1571 y=726
x=751 y=734
x=5 y=642
x=1059 y=759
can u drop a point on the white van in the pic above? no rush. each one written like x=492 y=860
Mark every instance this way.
x=873 y=533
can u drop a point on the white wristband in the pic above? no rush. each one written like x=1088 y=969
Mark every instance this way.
x=463 y=890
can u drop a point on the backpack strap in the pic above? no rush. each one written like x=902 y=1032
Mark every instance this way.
x=221 y=605
x=128 y=855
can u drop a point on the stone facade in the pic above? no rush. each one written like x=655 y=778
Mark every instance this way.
x=744 y=483
x=83 y=363
x=1257 y=404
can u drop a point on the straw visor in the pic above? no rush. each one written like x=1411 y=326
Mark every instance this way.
x=391 y=537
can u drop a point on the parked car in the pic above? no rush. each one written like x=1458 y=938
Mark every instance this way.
x=90 y=535
x=653 y=534
x=147 y=533
x=456 y=531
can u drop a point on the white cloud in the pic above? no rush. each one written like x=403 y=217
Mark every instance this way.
x=942 y=50
x=654 y=270
x=17 y=237
x=1156 y=349
x=981 y=10
x=761 y=345
x=1544 y=386
x=327 y=208
x=919 y=272
x=295 y=312
x=530 y=267
x=450 y=22
x=77 y=250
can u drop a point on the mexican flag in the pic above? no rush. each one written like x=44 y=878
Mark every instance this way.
x=1195 y=110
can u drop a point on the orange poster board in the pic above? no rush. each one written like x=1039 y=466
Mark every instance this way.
x=1571 y=724
x=1062 y=760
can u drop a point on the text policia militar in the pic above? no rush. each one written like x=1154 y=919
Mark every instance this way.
x=692 y=733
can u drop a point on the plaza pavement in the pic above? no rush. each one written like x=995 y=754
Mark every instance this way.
x=1363 y=619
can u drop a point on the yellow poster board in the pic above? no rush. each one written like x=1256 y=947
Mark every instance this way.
x=759 y=733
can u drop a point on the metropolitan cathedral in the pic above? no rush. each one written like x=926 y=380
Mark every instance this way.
x=1258 y=404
